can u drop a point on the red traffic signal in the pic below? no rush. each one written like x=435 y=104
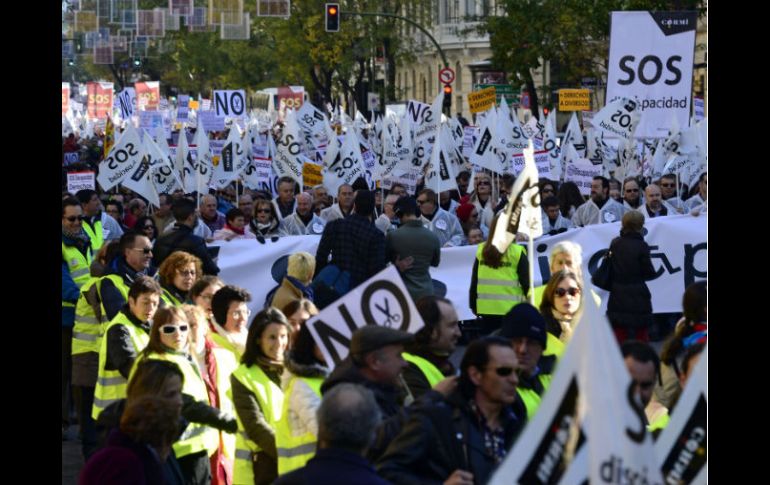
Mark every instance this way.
x=332 y=17
x=447 y=89
x=545 y=111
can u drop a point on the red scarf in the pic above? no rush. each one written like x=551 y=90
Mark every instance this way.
x=240 y=231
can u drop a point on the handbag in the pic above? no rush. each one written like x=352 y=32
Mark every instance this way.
x=330 y=284
x=602 y=277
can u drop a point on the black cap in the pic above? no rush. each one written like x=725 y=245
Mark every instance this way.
x=374 y=337
x=524 y=321
x=405 y=205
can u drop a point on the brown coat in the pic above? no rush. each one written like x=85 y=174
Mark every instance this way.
x=285 y=294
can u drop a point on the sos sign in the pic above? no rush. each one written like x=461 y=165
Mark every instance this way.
x=651 y=59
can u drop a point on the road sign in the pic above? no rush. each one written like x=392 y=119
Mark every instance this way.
x=446 y=75
x=501 y=90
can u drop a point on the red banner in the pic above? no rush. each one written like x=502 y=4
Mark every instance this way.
x=65 y=98
x=99 y=99
x=288 y=98
x=147 y=95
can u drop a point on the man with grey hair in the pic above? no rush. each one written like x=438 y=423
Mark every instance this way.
x=388 y=221
x=347 y=419
x=344 y=205
x=303 y=221
x=214 y=219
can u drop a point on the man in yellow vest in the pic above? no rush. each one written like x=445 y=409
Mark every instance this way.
x=76 y=258
x=98 y=225
x=134 y=260
x=428 y=355
x=525 y=327
x=125 y=336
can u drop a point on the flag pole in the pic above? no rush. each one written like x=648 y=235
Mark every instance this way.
x=531 y=258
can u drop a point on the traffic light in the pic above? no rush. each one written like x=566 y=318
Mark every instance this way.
x=137 y=63
x=447 y=97
x=332 y=17
x=545 y=111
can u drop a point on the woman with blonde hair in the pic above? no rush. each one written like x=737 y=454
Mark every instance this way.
x=178 y=273
x=215 y=365
x=296 y=284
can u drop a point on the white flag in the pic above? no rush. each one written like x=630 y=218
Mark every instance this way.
x=183 y=161
x=232 y=161
x=531 y=221
x=203 y=166
x=163 y=174
x=286 y=161
x=553 y=149
x=426 y=132
x=484 y=153
x=618 y=119
x=122 y=159
x=440 y=173
x=347 y=166
x=389 y=158
x=575 y=136
x=140 y=181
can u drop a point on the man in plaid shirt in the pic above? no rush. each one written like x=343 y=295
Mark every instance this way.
x=355 y=243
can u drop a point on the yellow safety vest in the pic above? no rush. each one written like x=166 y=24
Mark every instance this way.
x=531 y=398
x=270 y=399
x=96 y=234
x=225 y=344
x=89 y=320
x=498 y=289
x=110 y=385
x=294 y=451
x=170 y=299
x=196 y=437
x=539 y=290
x=226 y=365
x=78 y=267
x=553 y=346
x=432 y=374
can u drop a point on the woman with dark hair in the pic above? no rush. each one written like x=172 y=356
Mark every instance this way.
x=629 y=308
x=265 y=221
x=548 y=188
x=298 y=312
x=499 y=281
x=258 y=398
x=235 y=227
x=569 y=199
x=169 y=341
x=301 y=384
x=178 y=274
x=691 y=329
x=146 y=225
x=561 y=307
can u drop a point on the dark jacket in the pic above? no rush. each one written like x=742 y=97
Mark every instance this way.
x=414 y=377
x=630 y=302
x=389 y=399
x=412 y=239
x=333 y=466
x=355 y=245
x=111 y=297
x=442 y=436
x=181 y=238
x=121 y=353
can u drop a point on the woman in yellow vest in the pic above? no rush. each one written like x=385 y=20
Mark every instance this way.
x=215 y=365
x=499 y=281
x=230 y=318
x=296 y=433
x=258 y=397
x=565 y=255
x=169 y=340
x=562 y=305
x=178 y=273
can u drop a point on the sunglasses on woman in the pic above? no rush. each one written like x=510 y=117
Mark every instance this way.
x=170 y=329
x=571 y=291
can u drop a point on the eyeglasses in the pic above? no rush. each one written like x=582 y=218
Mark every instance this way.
x=186 y=272
x=504 y=371
x=266 y=211
x=244 y=313
x=170 y=329
x=144 y=250
x=75 y=218
x=571 y=291
x=632 y=190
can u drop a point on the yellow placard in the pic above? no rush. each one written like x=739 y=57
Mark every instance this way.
x=193 y=104
x=311 y=174
x=574 y=99
x=482 y=100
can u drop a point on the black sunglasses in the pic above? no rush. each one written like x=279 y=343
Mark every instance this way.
x=267 y=211
x=75 y=218
x=504 y=371
x=144 y=250
x=570 y=291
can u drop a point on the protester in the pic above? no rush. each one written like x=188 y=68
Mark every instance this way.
x=181 y=237
x=235 y=227
x=265 y=221
x=296 y=284
x=229 y=330
x=562 y=306
x=178 y=274
x=146 y=225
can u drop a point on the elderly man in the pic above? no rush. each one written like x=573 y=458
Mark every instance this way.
x=440 y=222
x=698 y=203
x=210 y=216
x=162 y=215
x=388 y=221
x=246 y=204
x=463 y=439
x=284 y=203
x=343 y=207
x=600 y=208
x=135 y=209
x=303 y=221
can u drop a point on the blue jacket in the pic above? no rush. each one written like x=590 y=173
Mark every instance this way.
x=333 y=466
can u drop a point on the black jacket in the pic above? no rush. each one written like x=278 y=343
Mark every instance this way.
x=630 y=302
x=441 y=437
x=181 y=238
x=121 y=353
x=112 y=298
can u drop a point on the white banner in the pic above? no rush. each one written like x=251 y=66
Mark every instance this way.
x=80 y=180
x=210 y=121
x=651 y=58
x=677 y=243
x=582 y=172
x=231 y=103
x=381 y=300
